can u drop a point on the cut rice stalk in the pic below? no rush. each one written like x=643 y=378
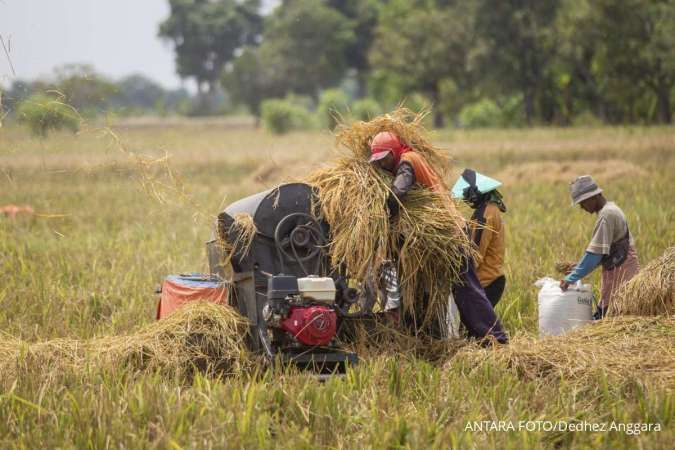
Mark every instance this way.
x=623 y=348
x=199 y=335
x=651 y=292
x=244 y=229
x=406 y=124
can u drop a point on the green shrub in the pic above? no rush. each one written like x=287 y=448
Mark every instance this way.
x=586 y=119
x=481 y=114
x=333 y=104
x=512 y=112
x=281 y=116
x=43 y=114
x=302 y=101
x=365 y=109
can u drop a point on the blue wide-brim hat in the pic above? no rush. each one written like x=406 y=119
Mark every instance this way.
x=483 y=183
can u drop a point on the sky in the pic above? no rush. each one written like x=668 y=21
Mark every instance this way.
x=118 y=37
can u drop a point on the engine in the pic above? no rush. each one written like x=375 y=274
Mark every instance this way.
x=302 y=307
x=311 y=325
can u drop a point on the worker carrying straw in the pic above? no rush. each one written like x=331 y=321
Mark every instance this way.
x=410 y=167
x=487 y=229
x=611 y=246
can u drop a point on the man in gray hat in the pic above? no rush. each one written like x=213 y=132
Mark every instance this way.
x=611 y=245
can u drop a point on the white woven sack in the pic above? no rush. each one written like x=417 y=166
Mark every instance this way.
x=452 y=319
x=562 y=311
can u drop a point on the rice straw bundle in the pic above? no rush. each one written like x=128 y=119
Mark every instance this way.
x=433 y=245
x=244 y=229
x=406 y=124
x=199 y=335
x=564 y=267
x=427 y=239
x=651 y=292
x=353 y=196
x=623 y=348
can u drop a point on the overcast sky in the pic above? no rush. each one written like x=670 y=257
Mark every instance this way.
x=118 y=37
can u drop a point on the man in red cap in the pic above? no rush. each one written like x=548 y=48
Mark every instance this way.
x=409 y=167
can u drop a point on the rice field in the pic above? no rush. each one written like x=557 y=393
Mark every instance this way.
x=118 y=209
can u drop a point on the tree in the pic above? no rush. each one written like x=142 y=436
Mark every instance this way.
x=137 y=91
x=304 y=47
x=83 y=88
x=638 y=46
x=363 y=15
x=43 y=113
x=581 y=81
x=250 y=81
x=18 y=91
x=422 y=45
x=520 y=46
x=206 y=35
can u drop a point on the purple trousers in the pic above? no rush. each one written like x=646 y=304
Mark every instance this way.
x=475 y=310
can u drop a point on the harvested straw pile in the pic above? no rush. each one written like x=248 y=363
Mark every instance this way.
x=427 y=239
x=651 y=292
x=374 y=338
x=199 y=336
x=623 y=348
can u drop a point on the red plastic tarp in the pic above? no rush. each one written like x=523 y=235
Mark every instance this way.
x=180 y=289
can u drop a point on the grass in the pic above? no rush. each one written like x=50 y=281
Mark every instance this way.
x=86 y=265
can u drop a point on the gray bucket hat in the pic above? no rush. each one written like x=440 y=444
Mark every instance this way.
x=582 y=188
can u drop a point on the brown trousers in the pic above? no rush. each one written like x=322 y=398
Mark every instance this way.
x=612 y=279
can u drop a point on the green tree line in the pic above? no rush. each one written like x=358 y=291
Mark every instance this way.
x=90 y=93
x=507 y=62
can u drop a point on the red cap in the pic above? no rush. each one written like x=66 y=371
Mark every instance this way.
x=383 y=143
x=386 y=142
x=376 y=156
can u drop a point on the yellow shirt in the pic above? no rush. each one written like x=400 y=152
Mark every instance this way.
x=490 y=262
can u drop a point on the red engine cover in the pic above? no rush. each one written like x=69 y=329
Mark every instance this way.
x=311 y=325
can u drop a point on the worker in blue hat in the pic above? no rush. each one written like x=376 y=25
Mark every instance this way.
x=486 y=230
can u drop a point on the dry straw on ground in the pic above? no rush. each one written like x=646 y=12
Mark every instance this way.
x=651 y=292
x=377 y=337
x=200 y=335
x=623 y=348
x=426 y=239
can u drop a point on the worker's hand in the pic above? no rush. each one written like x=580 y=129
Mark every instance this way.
x=564 y=285
x=392 y=206
x=565 y=268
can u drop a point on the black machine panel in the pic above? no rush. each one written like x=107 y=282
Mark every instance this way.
x=289 y=239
